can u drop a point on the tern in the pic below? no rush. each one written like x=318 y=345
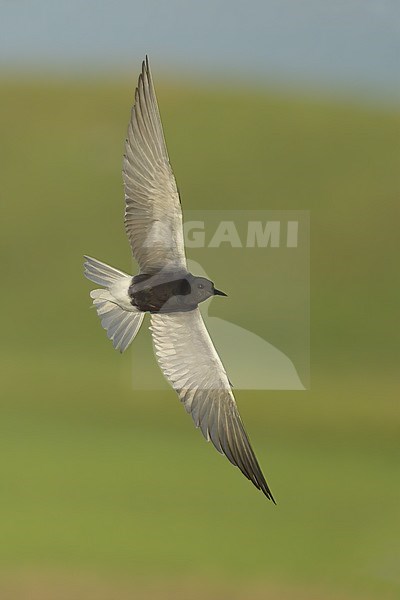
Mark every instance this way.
x=166 y=290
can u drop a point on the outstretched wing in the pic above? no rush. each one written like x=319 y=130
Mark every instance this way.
x=153 y=216
x=190 y=362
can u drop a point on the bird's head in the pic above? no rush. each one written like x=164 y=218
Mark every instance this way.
x=202 y=288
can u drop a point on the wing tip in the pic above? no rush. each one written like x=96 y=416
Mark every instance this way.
x=262 y=484
x=267 y=492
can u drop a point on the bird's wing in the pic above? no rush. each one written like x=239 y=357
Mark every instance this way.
x=190 y=362
x=153 y=215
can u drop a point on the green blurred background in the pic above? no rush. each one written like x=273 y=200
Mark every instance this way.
x=111 y=493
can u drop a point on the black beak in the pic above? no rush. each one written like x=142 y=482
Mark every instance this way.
x=219 y=293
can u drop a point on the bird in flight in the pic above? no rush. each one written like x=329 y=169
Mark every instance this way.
x=165 y=289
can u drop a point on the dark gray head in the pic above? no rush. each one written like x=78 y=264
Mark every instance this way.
x=202 y=288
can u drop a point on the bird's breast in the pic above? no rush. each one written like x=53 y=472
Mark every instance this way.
x=149 y=295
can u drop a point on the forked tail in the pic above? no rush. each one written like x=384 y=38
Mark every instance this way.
x=121 y=323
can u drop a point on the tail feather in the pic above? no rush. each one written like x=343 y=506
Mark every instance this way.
x=121 y=323
x=100 y=273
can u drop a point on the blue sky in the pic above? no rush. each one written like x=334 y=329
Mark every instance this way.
x=353 y=44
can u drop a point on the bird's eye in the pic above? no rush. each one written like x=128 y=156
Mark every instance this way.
x=200 y=286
